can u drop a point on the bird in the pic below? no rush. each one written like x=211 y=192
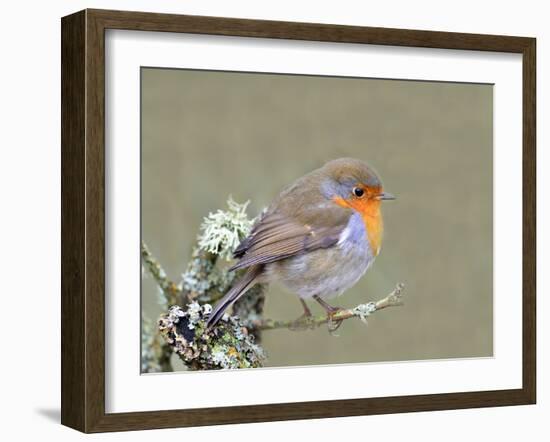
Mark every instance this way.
x=317 y=238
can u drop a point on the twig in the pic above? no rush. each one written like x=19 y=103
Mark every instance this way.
x=394 y=299
x=168 y=287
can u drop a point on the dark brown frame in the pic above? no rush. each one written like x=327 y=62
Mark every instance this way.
x=83 y=216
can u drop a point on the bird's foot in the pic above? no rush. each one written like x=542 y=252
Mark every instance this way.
x=304 y=322
x=333 y=324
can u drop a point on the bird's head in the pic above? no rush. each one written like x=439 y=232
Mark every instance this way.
x=353 y=184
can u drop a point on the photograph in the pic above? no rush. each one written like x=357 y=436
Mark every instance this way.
x=292 y=220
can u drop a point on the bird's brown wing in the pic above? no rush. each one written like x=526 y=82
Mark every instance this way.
x=278 y=235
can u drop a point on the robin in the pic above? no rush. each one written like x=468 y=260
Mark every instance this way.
x=318 y=237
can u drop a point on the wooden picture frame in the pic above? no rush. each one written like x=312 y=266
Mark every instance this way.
x=83 y=220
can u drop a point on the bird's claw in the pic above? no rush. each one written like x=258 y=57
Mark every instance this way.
x=332 y=324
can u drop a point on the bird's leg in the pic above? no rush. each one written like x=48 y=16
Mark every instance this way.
x=331 y=311
x=302 y=322
x=307 y=311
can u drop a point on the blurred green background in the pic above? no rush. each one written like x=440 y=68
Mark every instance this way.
x=207 y=134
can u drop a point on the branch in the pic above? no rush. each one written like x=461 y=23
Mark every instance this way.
x=362 y=311
x=230 y=345
x=168 y=287
x=202 y=280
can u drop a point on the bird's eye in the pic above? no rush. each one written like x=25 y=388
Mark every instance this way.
x=358 y=192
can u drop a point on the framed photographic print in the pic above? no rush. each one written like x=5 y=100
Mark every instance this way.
x=270 y=220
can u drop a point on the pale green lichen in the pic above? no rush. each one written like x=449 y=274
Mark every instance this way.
x=364 y=310
x=227 y=346
x=221 y=233
x=223 y=230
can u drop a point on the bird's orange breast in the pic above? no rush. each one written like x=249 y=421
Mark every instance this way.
x=372 y=217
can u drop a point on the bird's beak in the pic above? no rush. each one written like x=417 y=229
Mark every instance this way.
x=385 y=196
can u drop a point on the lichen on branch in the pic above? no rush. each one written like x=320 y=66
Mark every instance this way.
x=204 y=281
x=227 y=346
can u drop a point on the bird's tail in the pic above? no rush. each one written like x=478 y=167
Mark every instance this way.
x=234 y=293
